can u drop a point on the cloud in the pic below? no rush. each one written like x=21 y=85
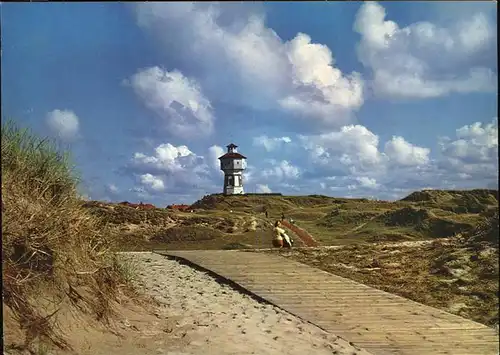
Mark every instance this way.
x=263 y=189
x=249 y=175
x=239 y=59
x=152 y=182
x=367 y=182
x=402 y=153
x=167 y=158
x=346 y=161
x=112 y=189
x=424 y=60
x=214 y=152
x=177 y=167
x=355 y=149
x=350 y=183
x=352 y=145
x=312 y=67
x=282 y=170
x=178 y=101
x=474 y=152
x=63 y=123
x=351 y=159
x=141 y=192
x=270 y=144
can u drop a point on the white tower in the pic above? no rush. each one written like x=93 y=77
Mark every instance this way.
x=232 y=165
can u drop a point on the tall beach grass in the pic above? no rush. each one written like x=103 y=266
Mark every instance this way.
x=55 y=254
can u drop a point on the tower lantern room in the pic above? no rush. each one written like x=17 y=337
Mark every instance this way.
x=232 y=164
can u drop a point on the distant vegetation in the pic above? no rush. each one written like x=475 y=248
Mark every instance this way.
x=330 y=220
x=421 y=215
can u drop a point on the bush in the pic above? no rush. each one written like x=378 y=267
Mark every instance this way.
x=51 y=245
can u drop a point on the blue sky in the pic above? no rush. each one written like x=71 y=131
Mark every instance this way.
x=339 y=98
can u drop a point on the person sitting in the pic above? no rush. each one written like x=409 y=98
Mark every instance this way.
x=281 y=239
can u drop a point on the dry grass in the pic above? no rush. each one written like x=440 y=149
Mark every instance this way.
x=342 y=221
x=116 y=214
x=460 y=202
x=139 y=230
x=54 y=251
x=330 y=220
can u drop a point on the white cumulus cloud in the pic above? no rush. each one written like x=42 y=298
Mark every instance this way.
x=352 y=145
x=474 y=151
x=214 y=152
x=269 y=143
x=263 y=189
x=241 y=59
x=176 y=99
x=403 y=153
x=367 y=182
x=167 y=158
x=313 y=66
x=177 y=167
x=281 y=170
x=63 y=123
x=357 y=148
x=152 y=182
x=424 y=60
x=469 y=160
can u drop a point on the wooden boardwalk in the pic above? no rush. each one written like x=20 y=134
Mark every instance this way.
x=377 y=321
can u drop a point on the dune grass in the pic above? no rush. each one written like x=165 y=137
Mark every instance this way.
x=54 y=251
x=330 y=220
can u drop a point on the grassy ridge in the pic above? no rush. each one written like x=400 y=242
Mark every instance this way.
x=54 y=251
x=421 y=215
x=221 y=221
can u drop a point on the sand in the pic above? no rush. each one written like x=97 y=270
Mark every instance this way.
x=214 y=319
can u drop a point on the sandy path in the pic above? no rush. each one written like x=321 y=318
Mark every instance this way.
x=219 y=320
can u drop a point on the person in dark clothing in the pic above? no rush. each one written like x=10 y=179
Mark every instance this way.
x=266 y=214
x=282 y=216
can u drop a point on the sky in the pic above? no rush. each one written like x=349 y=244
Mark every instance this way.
x=347 y=99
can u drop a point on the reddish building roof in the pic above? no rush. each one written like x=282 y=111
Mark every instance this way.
x=233 y=156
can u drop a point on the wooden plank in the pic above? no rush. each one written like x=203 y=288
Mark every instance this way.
x=378 y=321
